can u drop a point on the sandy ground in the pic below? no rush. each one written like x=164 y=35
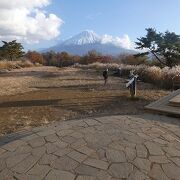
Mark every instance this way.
x=34 y=96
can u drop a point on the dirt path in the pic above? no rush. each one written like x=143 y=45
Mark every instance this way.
x=35 y=96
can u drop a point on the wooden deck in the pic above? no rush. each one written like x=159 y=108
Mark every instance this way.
x=175 y=101
x=169 y=105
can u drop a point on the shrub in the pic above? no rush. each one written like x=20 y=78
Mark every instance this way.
x=132 y=60
x=4 y=64
x=35 y=57
x=161 y=77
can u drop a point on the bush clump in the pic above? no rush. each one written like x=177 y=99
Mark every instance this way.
x=161 y=77
x=8 y=65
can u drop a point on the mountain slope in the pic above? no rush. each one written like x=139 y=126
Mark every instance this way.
x=85 y=37
x=86 y=41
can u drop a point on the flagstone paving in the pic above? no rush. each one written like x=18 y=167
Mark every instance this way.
x=113 y=147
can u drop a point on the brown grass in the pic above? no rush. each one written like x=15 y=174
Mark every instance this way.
x=161 y=77
x=38 y=95
x=8 y=65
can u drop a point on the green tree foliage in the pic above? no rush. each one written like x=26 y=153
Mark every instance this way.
x=164 y=46
x=11 y=50
x=1 y=54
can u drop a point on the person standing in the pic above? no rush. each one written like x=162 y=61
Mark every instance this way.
x=105 y=75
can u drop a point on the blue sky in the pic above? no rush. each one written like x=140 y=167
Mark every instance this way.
x=117 y=17
x=112 y=17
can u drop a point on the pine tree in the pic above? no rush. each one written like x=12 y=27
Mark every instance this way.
x=164 y=46
x=12 y=50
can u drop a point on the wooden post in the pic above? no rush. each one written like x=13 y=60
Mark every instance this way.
x=131 y=91
x=135 y=85
x=133 y=88
x=132 y=85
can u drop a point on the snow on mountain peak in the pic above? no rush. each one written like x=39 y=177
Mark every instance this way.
x=87 y=40
x=90 y=37
x=85 y=37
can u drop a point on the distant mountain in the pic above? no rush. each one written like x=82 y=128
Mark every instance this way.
x=88 y=40
x=85 y=37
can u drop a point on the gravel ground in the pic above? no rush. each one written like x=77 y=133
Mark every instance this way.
x=31 y=97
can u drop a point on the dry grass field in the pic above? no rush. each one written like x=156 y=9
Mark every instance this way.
x=39 y=95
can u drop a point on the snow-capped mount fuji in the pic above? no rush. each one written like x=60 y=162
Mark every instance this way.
x=85 y=37
x=88 y=40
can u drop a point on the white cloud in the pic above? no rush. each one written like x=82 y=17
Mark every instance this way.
x=124 y=41
x=25 y=20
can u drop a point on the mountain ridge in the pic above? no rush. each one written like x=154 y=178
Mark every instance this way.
x=88 y=40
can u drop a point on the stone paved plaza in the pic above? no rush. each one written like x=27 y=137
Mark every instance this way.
x=113 y=147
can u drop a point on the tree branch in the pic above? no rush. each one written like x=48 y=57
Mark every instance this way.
x=157 y=57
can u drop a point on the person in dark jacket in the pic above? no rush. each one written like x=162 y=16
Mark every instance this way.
x=105 y=75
